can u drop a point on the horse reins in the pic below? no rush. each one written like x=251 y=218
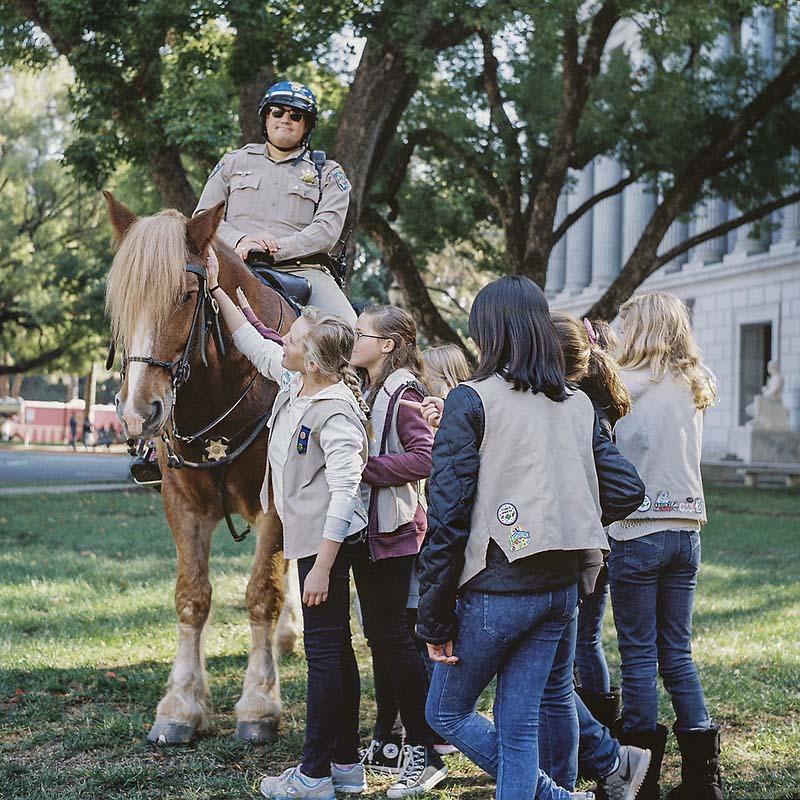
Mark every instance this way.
x=180 y=372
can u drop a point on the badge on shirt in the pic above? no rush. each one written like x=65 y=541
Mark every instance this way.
x=302 y=439
x=341 y=180
x=519 y=539
x=308 y=176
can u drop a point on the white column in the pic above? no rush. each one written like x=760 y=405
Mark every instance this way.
x=676 y=233
x=638 y=205
x=607 y=225
x=788 y=237
x=758 y=33
x=579 y=236
x=709 y=214
x=557 y=264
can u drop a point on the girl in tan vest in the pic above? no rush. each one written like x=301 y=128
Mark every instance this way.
x=655 y=555
x=392 y=490
x=521 y=480
x=317 y=450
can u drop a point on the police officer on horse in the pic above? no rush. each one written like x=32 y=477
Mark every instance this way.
x=284 y=198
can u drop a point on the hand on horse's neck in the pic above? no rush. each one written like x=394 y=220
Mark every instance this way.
x=313 y=383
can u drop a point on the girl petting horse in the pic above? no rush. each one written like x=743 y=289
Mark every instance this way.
x=207 y=411
x=317 y=450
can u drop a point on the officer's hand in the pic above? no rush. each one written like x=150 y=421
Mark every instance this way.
x=270 y=242
x=251 y=242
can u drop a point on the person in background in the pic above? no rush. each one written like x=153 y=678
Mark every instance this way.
x=655 y=555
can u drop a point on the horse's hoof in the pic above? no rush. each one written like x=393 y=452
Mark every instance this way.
x=166 y=733
x=261 y=732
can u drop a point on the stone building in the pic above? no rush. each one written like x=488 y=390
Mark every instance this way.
x=743 y=290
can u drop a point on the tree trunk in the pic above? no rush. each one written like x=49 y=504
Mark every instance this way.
x=16 y=385
x=250 y=95
x=90 y=392
x=401 y=263
x=170 y=179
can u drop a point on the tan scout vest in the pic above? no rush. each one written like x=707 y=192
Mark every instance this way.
x=397 y=505
x=305 y=487
x=663 y=438
x=537 y=485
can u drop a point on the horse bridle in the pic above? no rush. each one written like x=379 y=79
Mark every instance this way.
x=180 y=372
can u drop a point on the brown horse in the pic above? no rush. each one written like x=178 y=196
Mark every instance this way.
x=177 y=378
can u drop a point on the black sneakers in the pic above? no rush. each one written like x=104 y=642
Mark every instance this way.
x=422 y=769
x=383 y=757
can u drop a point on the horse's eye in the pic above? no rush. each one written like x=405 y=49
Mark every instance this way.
x=185 y=298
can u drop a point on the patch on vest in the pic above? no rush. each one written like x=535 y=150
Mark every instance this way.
x=646 y=503
x=519 y=539
x=341 y=180
x=302 y=439
x=507 y=514
x=691 y=505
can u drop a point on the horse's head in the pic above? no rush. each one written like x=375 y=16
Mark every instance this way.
x=152 y=300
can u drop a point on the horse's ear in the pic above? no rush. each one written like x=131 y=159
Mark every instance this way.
x=200 y=229
x=121 y=216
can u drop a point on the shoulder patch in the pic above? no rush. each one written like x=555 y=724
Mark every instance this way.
x=341 y=180
x=215 y=170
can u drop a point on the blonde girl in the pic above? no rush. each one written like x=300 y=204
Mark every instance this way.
x=445 y=367
x=655 y=554
x=317 y=450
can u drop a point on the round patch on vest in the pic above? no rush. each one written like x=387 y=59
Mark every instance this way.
x=646 y=503
x=507 y=514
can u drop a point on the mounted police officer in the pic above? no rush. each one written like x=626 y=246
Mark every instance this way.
x=284 y=198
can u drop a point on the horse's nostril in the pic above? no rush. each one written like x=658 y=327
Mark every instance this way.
x=156 y=407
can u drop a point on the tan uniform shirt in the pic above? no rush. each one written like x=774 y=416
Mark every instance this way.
x=278 y=196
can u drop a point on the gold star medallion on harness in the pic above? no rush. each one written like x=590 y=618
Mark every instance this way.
x=217 y=449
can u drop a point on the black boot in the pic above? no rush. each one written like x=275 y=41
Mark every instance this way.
x=655 y=741
x=700 y=773
x=604 y=707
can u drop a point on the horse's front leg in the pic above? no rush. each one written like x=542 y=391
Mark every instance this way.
x=182 y=710
x=259 y=708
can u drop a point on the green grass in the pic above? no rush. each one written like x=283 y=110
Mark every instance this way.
x=87 y=635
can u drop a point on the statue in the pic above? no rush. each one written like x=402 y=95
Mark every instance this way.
x=766 y=409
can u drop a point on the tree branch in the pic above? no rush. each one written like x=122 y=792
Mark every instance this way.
x=34 y=363
x=401 y=263
x=572 y=218
x=634 y=273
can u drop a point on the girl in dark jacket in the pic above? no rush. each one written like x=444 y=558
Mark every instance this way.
x=521 y=477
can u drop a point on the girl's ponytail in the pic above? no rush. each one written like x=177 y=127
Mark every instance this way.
x=352 y=382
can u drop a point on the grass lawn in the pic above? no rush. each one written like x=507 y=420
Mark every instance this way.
x=87 y=636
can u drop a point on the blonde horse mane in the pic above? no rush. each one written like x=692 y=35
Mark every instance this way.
x=147 y=275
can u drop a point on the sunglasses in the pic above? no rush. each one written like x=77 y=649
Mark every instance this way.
x=294 y=116
x=360 y=335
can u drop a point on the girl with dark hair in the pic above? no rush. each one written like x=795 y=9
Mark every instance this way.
x=521 y=478
x=392 y=490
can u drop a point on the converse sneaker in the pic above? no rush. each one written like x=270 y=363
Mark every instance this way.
x=349 y=779
x=423 y=768
x=626 y=780
x=293 y=785
x=383 y=757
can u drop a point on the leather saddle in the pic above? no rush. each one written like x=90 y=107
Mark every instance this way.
x=294 y=288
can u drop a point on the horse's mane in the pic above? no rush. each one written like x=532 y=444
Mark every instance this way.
x=147 y=275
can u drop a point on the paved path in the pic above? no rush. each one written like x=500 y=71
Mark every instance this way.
x=24 y=471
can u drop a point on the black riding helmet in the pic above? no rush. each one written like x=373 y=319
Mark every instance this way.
x=293 y=95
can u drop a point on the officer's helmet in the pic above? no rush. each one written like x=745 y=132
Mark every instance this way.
x=294 y=95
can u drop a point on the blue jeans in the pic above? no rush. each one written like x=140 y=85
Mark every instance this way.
x=516 y=638
x=589 y=656
x=565 y=720
x=653 y=580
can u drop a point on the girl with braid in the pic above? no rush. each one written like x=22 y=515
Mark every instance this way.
x=392 y=490
x=317 y=447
